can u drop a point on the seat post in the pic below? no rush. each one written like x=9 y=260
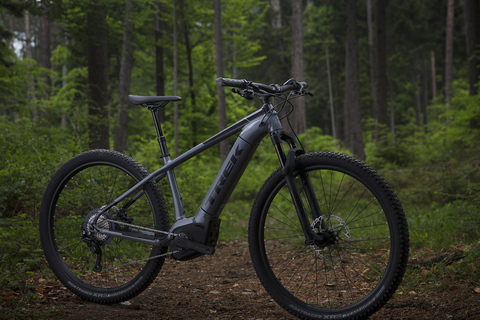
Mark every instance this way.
x=177 y=199
x=161 y=138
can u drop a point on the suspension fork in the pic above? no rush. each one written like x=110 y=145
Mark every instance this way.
x=288 y=163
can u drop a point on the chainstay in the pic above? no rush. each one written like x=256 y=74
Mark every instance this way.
x=147 y=229
x=143 y=228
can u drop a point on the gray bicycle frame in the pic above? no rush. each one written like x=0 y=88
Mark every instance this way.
x=252 y=128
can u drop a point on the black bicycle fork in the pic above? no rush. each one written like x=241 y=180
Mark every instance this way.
x=288 y=169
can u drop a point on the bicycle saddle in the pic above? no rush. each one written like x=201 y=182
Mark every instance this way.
x=152 y=99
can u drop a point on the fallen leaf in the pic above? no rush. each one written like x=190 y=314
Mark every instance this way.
x=428 y=250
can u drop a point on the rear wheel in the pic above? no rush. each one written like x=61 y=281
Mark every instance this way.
x=96 y=266
x=362 y=259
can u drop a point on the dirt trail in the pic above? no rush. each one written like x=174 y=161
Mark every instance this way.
x=224 y=286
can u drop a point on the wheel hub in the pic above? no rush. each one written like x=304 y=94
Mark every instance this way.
x=102 y=222
x=334 y=238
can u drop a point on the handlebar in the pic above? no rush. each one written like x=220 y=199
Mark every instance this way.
x=291 y=84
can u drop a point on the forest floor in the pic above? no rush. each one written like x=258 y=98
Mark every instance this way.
x=224 y=286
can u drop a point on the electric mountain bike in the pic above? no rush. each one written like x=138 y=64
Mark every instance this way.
x=327 y=235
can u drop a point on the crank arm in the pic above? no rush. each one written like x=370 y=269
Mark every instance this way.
x=187 y=244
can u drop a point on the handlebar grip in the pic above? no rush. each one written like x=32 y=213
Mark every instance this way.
x=304 y=85
x=226 y=82
x=293 y=86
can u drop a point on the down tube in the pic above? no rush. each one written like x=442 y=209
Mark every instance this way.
x=231 y=171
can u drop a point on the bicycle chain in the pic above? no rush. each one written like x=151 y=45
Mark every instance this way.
x=144 y=228
x=146 y=259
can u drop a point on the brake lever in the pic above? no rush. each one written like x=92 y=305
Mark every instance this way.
x=248 y=94
x=303 y=92
x=289 y=81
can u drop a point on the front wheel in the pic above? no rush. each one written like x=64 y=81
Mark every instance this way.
x=361 y=260
x=95 y=266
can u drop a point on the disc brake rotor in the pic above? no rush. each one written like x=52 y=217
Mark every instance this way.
x=339 y=235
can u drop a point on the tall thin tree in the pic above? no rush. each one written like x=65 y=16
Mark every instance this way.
x=222 y=106
x=159 y=69
x=433 y=75
x=353 y=115
x=449 y=52
x=175 y=76
x=45 y=47
x=330 y=95
x=371 y=55
x=277 y=26
x=126 y=65
x=97 y=65
x=471 y=10
x=298 y=67
x=29 y=55
x=380 y=101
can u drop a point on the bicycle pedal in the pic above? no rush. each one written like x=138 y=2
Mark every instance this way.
x=187 y=244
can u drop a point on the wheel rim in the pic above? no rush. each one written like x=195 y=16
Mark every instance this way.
x=82 y=191
x=335 y=276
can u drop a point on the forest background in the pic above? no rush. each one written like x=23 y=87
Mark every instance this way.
x=395 y=83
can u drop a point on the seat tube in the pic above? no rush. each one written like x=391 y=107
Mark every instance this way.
x=172 y=180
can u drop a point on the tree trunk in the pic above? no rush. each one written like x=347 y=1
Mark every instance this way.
x=277 y=16
x=471 y=10
x=330 y=96
x=392 y=113
x=189 y=50
x=28 y=54
x=298 y=68
x=380 y=100
x=418 y=89
x=353 y=116
x=434 y=76
x=159 y=70
x=175 y=76
x=371 y=57
x=64 y=120
x=45 y=48
x=222 y=108
x=425 y=95
x=126 y=65
x=449 y=52
x=277 y=26
x=97 y=78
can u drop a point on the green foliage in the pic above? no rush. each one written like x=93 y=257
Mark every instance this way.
x=29 y=155
x=433 y=168
x=314 y=140
x=240 y=20
x=21 y=253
